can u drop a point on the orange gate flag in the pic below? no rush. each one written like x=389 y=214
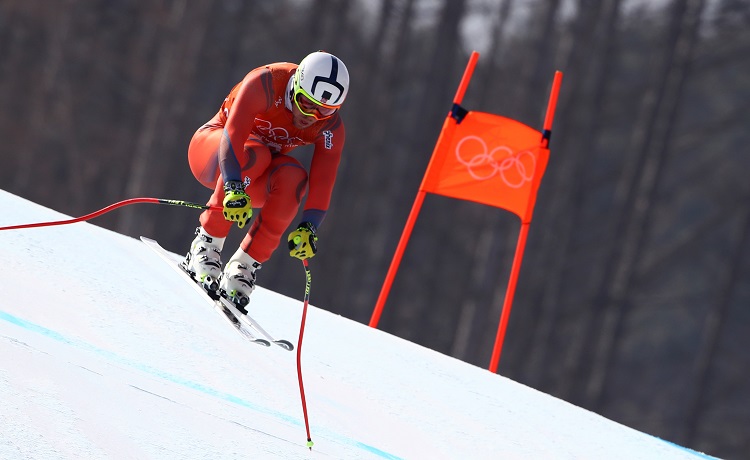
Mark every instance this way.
x=490 y=160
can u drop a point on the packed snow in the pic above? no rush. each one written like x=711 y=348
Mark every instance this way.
x=106 y=352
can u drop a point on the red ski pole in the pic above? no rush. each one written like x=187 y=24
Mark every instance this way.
x=308 y=282
x=111 y=207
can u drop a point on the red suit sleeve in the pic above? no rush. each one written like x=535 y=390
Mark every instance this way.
x=253 y=96
x=323 y=168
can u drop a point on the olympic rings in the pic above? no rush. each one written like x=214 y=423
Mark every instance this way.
x=514 y=168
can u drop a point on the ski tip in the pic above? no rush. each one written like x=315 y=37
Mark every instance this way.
x=285 y=344
x=263 y=342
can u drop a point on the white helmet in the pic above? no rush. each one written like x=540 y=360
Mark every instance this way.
x=323 y=78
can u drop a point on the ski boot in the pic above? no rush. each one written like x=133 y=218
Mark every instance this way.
x=238 y=280
x=203 y=262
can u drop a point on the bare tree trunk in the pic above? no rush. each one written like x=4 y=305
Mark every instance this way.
x=480 y=275
x=712 y=335
x=176 y=64
x=651 y=138
x=597 y=26
x=434 y=104
x=487 y=80
x=328 y=20
x=173 y=170
x=39 y=106
x=532 y=72
x=377 y=171
x=79 y=168
x=503 y=238
x=145 y=156
x=377 y=56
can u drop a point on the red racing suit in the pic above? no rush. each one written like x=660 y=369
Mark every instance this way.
x=249 y=140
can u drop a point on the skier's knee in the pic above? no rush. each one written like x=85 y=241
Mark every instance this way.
x=289 y=179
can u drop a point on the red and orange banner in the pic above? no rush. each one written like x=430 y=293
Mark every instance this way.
x=489 y=159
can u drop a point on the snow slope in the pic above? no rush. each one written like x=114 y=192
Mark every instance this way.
x=105 y=352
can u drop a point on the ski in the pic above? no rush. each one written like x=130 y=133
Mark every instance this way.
x=246 y=326
x=223 y=306
x=248 y=321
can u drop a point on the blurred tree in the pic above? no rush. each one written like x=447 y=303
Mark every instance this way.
x=650 y=142
x=152 y=159
x=638 y=249
x=587 y=76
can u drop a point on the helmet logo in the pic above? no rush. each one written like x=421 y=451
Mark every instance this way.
x=331 y=80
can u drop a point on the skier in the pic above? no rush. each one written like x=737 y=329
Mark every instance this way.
x=242 y=154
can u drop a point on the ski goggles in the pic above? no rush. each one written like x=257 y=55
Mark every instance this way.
x=312 y=108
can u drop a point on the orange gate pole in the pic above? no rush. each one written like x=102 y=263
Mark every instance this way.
x=411 y=220
x=521 y=245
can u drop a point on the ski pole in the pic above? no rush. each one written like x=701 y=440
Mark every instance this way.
x=308 y=282
x=111 y=207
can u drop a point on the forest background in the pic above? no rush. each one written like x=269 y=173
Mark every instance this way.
x=633 y=295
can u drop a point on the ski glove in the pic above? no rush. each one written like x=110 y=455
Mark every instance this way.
x=303 y=241
x=237 y=206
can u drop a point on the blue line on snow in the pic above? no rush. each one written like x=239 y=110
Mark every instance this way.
x=29 y=326
x=690 y=451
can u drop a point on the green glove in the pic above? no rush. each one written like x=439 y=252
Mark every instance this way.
x=303 y=241
x=237 y=206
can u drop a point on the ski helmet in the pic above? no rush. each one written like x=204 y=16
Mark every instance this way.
x=323 y=78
